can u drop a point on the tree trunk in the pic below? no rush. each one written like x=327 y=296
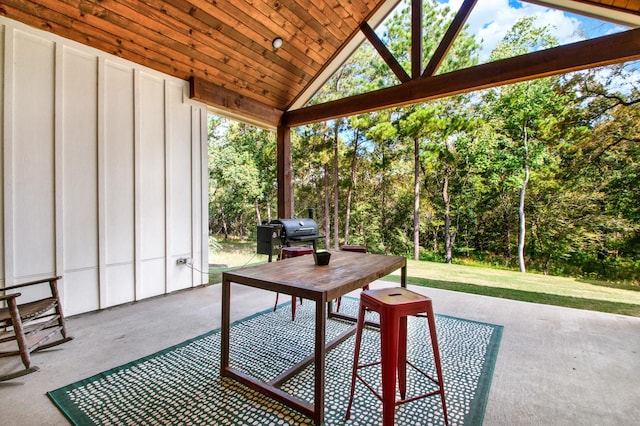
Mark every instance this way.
x=523 y=192
x=336 y=218
x=268 y=212
x=352 y=184
x=416 y=199
x=258 y=218
x=506 y=232
x=225 y=230
x=383 y=201
x=448 y=249
x=435 y=240
x=327 y=221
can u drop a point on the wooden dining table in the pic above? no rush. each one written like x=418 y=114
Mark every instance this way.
x=299 y=276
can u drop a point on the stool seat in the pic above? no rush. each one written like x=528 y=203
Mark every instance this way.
x=289 y=252
x=393 y=306
x=295 y=251
x=357 y=249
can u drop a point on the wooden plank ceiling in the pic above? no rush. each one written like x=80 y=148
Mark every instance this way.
x=225 y=46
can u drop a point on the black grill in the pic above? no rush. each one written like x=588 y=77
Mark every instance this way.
x=298 y=230
x=286 y=233
x=269 y=241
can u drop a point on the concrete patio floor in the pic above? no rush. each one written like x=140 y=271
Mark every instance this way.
x=555 y=366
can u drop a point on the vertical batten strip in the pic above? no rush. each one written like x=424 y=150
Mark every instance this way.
x=203 y=183
x=2 y=138
x=167 y=186
x=195 y=188
x=9 y=249
x=193 y=132
x=102 y=185
x=58 y=162
x=137 y=188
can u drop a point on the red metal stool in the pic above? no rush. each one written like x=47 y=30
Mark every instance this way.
x=357 y=249
x=394 y=305
x=288 y=252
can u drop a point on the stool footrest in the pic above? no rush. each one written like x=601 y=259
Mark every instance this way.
x=404 y=400
x=437 y=382
x=415 y=398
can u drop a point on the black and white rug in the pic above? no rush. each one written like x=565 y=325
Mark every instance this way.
x=182 y=385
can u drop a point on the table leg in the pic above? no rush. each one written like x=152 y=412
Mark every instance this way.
x=403 y=276
x=320 y=352
x=225 y=327
x=389 y=332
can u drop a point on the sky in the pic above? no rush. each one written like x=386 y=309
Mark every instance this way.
x=491 y=27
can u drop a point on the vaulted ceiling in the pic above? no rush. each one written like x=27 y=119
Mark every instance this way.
x=225 y=46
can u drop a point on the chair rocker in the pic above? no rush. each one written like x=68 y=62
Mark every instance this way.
x=30 y=326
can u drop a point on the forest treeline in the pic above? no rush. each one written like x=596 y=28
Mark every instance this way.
x=541 y=175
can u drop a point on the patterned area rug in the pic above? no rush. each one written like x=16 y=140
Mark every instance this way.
x=181 y=385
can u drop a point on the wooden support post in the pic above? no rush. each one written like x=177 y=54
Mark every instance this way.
x=285 y=173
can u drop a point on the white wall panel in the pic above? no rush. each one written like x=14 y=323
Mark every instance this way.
x=180 y=171
x=80 y=173
x=33 y=155
x=180 y=182
x=152 y=167
x=2 y=129
x=118 y=124
x=120 y=285
x=153 y=278
x=80 y=292
x=103 y=172
x=200 y=191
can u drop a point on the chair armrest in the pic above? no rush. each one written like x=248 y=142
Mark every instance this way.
x=9 y=296
x=47 y=280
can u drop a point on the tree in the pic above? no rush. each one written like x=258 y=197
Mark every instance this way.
x=234 y=184
x=605 y=160
x=522 y=110
x=358 y=124
x=416 y=125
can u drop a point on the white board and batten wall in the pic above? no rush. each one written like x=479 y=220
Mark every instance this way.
x=103 y=173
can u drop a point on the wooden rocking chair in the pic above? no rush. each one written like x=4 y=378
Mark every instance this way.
x=33 y=325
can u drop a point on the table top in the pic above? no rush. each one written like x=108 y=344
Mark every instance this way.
x=300 y=276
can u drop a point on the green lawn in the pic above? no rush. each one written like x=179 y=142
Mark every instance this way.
x=529 y=287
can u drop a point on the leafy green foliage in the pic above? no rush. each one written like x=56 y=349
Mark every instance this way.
x=571 y=143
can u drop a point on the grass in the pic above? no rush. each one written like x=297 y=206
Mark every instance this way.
x=529 y=287
x=234 y=254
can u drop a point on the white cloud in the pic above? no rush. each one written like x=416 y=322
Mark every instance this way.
x=491 y=19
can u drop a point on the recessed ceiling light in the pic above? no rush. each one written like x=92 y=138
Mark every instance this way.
x=277 y=43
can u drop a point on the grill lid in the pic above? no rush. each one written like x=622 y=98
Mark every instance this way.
x=297 y=228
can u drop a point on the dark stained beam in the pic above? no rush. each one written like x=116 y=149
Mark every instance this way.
x=284 y=172
x=450 y=36
x=416 y=38
x=386 y=55
x=582 y=55
x=227 y=100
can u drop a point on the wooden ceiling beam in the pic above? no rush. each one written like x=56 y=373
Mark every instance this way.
x=592 y=53
x=234 y=104
x=416 y=38
x=384 y=53
x=450 y=36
